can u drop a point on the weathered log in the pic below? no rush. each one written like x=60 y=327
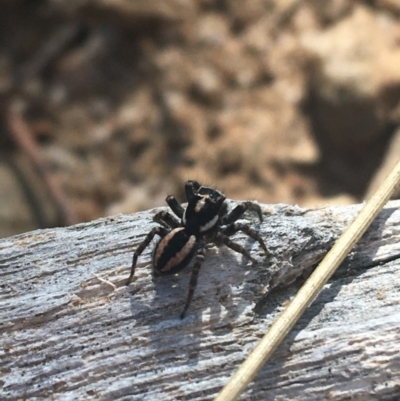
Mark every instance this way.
x=70 y=328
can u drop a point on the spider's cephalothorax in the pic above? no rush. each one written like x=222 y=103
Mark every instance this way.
x=205 y=220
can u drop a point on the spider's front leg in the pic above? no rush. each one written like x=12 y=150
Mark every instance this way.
x=239 y=210
x=193 y=279
x=166 y=219
x=175 y=206
x=161 y=231
x=235 y=227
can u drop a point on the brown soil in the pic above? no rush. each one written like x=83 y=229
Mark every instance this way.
x=275 y=101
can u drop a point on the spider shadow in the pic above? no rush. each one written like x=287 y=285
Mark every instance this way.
x=158 y=314
x=228 y=273
x=237 y=275
x=159 y=319
x=173 y=290
x=166 y=332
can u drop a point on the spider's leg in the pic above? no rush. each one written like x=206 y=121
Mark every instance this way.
x=193 y=279
x=235 y=227
x=161 y=231
x=222 y=238
x=191 y=188
x=175 y=205
x=166 y=219
x=238 y=211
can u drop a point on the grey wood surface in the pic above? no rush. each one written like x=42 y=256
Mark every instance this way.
x=71 y=330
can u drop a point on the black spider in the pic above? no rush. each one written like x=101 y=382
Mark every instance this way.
x=205 y=220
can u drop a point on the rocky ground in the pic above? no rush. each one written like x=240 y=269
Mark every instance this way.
x=108 y=106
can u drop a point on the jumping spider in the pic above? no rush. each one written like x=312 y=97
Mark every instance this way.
x=205 y=220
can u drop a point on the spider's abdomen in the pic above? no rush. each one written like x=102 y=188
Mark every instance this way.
x=174 y=252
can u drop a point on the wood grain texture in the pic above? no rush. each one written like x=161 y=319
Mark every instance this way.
x=70 y=329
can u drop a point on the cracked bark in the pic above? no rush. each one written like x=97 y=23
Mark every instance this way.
x=71 y=329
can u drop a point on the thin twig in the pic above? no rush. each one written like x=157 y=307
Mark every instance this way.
x=22 y=135
x=306 y=295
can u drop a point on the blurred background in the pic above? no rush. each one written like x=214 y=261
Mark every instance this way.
x=107 y=106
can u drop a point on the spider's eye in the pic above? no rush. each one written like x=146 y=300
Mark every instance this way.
x=209 y=193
